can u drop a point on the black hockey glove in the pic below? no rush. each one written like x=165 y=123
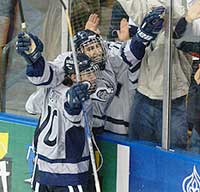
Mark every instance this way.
x=180 y=28
x=76 y=95
x=29 y=46
x=151 y=25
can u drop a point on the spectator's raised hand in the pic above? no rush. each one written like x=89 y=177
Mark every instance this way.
x=123 y=32
x=193 y=12
x=92 y=23
x=197 y=76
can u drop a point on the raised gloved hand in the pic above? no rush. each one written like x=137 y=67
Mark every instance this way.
x=76 y=95
x=151 y=25
x=193 y=11
x=29 y=46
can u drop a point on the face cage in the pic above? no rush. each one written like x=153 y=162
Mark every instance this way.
x=100 y=60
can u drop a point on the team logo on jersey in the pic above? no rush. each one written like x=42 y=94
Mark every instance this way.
x=5 y=173
x=3 y=144
x=192 y=182
x=102 y=94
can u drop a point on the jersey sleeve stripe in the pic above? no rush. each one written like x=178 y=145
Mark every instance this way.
x=62 y=160
x=49 y=80
x=124 y=57
x=135 y=68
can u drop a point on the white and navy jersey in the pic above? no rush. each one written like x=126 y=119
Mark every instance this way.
x=62 y=150
x=125 y=59
x=101 y=99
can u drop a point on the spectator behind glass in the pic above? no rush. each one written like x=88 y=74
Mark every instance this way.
x=186 y=36
x=118 y=14
x=146 y=112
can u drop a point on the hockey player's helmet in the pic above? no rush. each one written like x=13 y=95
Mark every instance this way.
x=91 y=44
x=84 y=64
x=86 y=68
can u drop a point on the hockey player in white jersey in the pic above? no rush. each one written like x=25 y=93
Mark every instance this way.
x=62 y=152
x=125 y=64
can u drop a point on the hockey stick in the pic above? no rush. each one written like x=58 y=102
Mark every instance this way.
x=23 y=23
x=87 y=127
x=71 y=42
x=23 y=27
x=31 y=49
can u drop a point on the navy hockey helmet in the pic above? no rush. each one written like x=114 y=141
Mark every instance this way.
x=86 y=68
x=91 y=44
x=84 y=64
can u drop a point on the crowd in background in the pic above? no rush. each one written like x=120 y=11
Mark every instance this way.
x=145 y=120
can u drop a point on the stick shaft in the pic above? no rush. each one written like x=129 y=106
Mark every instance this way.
x=23 y=26
x=87 y=127
x=71 y=42
x=90 y=145
x=21 y=11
